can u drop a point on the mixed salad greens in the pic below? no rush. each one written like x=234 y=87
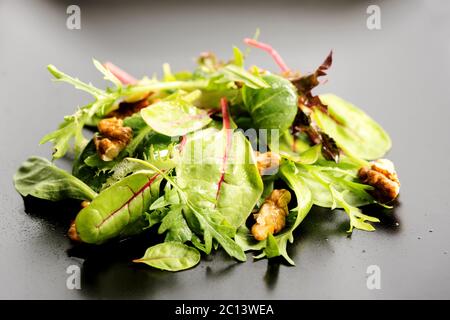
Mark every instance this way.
x=210 y=158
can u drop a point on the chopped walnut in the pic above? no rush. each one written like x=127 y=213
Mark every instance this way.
x=72 y=233
x=85 y=203
x=382 y=176
x=267 y=162
x=113 y=138
x=271 y=217
x=127 y=109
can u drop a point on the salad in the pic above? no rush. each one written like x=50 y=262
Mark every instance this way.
x=225 y=156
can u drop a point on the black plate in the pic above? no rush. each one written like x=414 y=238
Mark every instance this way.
x=398 y=74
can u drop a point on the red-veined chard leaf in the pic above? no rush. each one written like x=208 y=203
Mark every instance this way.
x=217 y=170
x=117 y=207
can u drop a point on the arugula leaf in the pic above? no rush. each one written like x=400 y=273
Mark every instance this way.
x=175 y=225
x=210 y=220
x=170 y=256
x=319 y=178
x=220 y=232
x=40 y=178
x=304 y=202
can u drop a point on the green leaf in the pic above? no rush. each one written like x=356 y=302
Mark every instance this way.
x=358 y=220
x=175 y=117
x=271 y=250
x=309 y=156
x=175 y=225
x=209 y=220
x=219 y=232
x=276 y=245
x=246 y=241
x=199 y=173
x=235 y=73
x=89 y=88
x=170 y=256
x=352 y=129
x=90 y=175
x=274 y=107
x=320 y=178
x=117 y=207
x=304 y=202
x=40 y=178
x=70 y=129
x=107 y=74
x=238 y=57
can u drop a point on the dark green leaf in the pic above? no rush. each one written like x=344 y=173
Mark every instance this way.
x=40 y=178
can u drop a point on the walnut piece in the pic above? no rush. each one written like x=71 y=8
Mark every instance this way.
x=113 y=138
x=382 y=176
x=271 y=217
x=72 y=233
x=267 y=162
x=127 y=109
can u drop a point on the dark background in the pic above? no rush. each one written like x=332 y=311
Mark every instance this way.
x=399 y=75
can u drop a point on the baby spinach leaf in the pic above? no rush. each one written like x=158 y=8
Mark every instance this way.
x=274 y=107
x=40 y=178
x=233 y=192
x=170 y=256
x=175 y=117
x=117 y=206
x=352 y=129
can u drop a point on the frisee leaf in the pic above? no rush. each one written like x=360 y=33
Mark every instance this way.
x=358 y=220
x=108 y=75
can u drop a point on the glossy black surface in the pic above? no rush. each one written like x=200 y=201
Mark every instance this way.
x=399 y=75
